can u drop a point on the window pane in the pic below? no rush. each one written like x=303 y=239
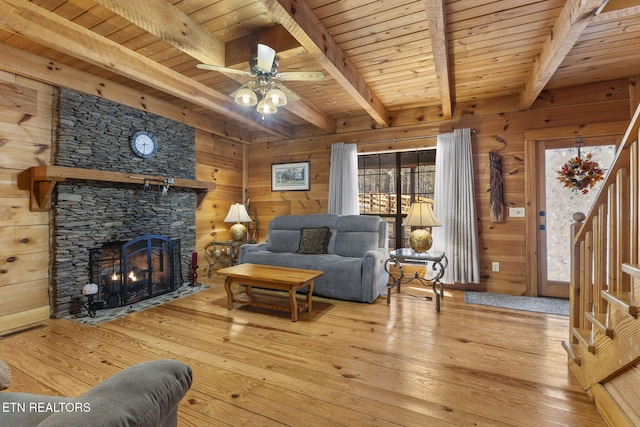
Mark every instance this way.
x=388 y=191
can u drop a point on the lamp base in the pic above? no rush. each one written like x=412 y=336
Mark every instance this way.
x=420 y=240
x=238 y=232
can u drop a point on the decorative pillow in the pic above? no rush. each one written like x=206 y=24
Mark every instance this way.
x=5 y=375
x=314 y=240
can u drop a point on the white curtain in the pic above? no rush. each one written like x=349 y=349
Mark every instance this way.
x=454 y=206
x=343 y=179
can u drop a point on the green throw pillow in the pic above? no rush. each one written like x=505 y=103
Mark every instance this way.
x=314 y=240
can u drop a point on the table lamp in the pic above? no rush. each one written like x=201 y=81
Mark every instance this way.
x=421 y=215
x=238 y=214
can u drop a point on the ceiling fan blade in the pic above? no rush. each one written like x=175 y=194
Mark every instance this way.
x=266 y=55
x=291 y=96
x=223 y=69
x=308 y=76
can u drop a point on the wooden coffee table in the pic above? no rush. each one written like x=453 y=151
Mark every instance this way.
x=270 y=277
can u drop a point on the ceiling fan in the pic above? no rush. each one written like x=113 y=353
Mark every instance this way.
x=263 y=68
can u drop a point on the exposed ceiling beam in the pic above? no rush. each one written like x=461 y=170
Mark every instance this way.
x=17 y=61
x=612 y=14
x=438 y=35
x=51 y=30
x=613 y=5
x=171 y=25
x=174 y=27
x=574 y=18
x=298 y=18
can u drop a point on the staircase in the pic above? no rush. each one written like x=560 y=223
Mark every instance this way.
x=604 y=341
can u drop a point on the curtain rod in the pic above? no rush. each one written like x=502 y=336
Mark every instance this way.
x=409 y=138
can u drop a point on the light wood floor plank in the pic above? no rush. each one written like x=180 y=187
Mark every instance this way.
x=343 y=364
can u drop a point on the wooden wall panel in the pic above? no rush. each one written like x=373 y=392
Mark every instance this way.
x=273 y=203
x=221 y=161
x=500 y=127
x=25 y=141
x=27 y=295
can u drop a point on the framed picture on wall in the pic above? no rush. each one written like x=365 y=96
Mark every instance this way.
x=290 y=176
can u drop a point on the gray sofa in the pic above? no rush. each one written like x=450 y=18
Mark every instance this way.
x=146 y=394
x=353 y=265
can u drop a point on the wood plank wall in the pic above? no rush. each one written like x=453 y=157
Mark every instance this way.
x=221 y=161
x=25 y=141
x=500 y=127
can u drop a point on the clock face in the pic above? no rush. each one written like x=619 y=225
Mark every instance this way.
x=144 y=144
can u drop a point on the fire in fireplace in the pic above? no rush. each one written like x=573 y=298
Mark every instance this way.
x=128 y=272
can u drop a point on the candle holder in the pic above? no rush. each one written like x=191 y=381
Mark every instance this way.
x=194 y=269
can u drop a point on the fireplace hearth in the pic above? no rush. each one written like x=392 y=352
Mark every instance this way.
x=128 y=272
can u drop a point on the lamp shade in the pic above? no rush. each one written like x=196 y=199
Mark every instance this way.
x=277 y=97
x=266 y=107
x=237 y=213
x=245 y=96
x=421 y=215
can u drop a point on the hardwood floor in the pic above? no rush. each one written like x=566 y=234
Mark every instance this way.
x=344 y=364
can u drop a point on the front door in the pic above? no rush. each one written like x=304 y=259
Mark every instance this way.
x=557 y=204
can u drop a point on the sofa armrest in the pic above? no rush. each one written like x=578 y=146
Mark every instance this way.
x=146 y=394
x=245 y=249
x=374 y=275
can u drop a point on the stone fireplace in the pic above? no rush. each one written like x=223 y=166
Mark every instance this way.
x=92 y=133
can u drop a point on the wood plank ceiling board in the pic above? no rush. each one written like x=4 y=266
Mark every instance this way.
x=301 y=22
x=496 y=43
x=378 y=57
x=573 y=19
x=598 y=52
x=37 y=23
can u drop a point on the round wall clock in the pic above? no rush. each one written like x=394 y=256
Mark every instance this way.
x=144 y=144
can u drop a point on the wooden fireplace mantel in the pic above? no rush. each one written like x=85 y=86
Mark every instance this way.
x=44 y=179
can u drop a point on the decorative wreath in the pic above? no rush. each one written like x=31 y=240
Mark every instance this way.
x=580 y=174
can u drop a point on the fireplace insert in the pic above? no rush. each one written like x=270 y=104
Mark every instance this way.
x=128 y=272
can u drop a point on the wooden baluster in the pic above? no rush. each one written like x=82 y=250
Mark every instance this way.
x=600 y=258
x=624 y=241
x=612 y=230
x=575 y=301
x=634 y=257
x=587 y=291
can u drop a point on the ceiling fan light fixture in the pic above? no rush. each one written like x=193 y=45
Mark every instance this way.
x=247 y=97
x=266 y=107
x=276 y=97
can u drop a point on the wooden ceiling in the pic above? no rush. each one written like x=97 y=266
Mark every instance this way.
x=379 y=56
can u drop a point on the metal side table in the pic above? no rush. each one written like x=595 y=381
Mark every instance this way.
x=223 y=254
x=438 y=261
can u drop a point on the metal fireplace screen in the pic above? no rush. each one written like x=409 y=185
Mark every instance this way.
x=128 y=272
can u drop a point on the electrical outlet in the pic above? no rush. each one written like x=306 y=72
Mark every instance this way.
x=516 y=212
x=495 y=266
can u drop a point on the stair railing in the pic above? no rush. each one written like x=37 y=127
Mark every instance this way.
x=604 y=241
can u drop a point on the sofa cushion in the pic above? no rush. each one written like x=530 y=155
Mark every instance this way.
x=314 y=240
x=284 y=231
x=356 y=235
x=283 y=241
x=143 y=395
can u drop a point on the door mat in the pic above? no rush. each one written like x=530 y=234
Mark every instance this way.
x=108 y=314
x=538 y=304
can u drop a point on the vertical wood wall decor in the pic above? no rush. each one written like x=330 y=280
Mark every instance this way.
x=496 y=202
